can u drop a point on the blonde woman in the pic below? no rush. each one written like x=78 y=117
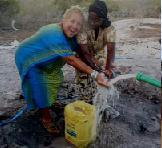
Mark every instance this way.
x=39 y=60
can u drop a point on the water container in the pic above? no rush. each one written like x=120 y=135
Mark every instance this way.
x=80 y=123
x=148 y=79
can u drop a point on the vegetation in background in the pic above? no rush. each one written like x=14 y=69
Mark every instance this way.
x=134 y=8
x=40 y=12
x=8 y=9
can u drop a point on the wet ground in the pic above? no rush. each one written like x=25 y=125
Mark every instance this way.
x=138 y=125
x=139 y=122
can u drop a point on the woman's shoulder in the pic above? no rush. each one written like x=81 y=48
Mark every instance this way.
x=50 y=27
x=109 y=29
x=50 y=30
x=109 y=34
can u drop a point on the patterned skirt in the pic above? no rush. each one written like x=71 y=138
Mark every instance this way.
x=85 y=87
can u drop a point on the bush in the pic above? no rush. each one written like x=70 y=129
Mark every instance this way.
x=112 y=6
x=9 y=7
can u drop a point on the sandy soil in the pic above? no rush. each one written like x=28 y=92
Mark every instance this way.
x=137 y=49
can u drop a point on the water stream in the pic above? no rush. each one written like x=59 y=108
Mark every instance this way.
x=121 y=77
x=106 y=99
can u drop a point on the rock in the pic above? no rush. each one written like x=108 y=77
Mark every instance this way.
x=158 y=116
x=110 y=113
x=154 y=127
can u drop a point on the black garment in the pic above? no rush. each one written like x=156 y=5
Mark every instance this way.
x=100 y=8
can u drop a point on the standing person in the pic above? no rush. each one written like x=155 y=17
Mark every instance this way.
x=94 y=38
x=39 y=60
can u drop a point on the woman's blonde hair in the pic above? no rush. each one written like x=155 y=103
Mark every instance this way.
x=71 y=10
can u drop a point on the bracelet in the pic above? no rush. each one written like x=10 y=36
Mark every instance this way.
x=94 y=74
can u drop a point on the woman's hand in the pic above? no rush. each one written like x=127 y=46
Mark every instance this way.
x=101 y=80
x=108 y=73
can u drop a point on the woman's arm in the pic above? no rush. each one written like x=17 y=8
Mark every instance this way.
x=110 y=38
x=87 y=58
x=110 y=58
x=78 y=64
x=81 y=66
x=110 y=55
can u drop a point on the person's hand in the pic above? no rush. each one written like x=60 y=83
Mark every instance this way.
x=108 y=73
x=113 y=65
x=101 y=80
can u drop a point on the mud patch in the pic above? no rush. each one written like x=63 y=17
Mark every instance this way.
x=145 y=33
x=146 y=30
x=8 y=36
x=139 y=121
x=137 y=126
x=151 y=25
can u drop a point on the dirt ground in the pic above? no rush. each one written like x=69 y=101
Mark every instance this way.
x=137 y=49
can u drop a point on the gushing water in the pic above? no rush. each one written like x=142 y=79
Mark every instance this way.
x=107 y=99
x=104 y=98
x=121 y=77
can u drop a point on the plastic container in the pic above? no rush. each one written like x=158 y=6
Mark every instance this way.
x=80 y=123
x=148 y=79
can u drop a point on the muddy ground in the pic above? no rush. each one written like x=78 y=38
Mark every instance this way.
x=137 y=49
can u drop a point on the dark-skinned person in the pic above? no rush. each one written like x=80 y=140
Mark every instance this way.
x=39 y=60
x=97 y=47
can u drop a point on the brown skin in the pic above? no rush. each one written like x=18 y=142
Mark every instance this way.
x=95 y=23
x=81 y=66
x=110 y=56
x=87 y=57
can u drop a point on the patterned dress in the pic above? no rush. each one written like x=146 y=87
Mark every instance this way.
x=98 y=49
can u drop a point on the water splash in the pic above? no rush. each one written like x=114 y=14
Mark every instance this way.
x=105 y=98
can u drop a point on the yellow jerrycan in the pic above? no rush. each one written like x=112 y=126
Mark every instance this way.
x=80 y=123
